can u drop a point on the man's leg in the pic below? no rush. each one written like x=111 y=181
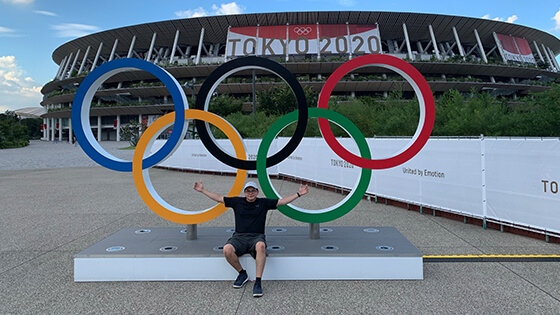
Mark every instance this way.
x=231 y=257
x=260 y=259
x=233 y=260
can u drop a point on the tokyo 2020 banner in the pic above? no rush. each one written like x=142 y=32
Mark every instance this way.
x=302 y=39
x=141 y=161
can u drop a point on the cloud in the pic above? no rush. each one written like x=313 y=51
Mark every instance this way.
x=198 y=12
x=18 y=1
x=228 y=9
x=16 y=90
x=45 y=12
x=510 y=19
x=74 y=30
x=556 y=19
x=347 y=3
x=6 y=32
x=222 y=9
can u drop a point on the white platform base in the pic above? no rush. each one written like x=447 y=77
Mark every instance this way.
x=164 y=254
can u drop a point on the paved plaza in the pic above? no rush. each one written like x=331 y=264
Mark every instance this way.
x=55 y=202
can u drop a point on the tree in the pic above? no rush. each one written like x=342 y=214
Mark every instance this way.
x=132 y=131
x=281 y=100
x=457 y=114
x=34 y=127
x=223 y=105
x=13 y=134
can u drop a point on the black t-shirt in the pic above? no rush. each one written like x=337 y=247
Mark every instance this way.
x=250 y=217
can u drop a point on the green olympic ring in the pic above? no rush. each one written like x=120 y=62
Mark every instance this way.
x=327 y=214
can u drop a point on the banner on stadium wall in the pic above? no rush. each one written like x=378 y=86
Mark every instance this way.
x=515 y=48
x=193 y=155
x=509 y=180
x=522 y=177
x=445 y=174
x=315 y=161
x=319 y=39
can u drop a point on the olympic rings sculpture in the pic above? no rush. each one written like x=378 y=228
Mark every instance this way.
x=141 y=162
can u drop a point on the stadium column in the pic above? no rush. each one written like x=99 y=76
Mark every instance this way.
x=174 y=48
x=407 y=41
x=118 y=128
x=66 y=72
x=480 y=47
x=140 y=124
x=152 y=43
x=59 y=124
x=82 y=64
x=553 y=58
x=94 y=63
x=538 y=51
x=131 y=47
x=434 y=42
x=47 y=122
x=458 y=41
x=61 y=67
x=200 y=44
x=546 y=53
x=53 y=129
x=115 y=44
x=73 y=66
x=98 y=128
x=70 y=131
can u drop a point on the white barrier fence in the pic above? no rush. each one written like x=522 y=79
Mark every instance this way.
x=514 y=181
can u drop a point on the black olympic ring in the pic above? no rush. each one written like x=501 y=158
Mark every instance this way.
x=236 y=65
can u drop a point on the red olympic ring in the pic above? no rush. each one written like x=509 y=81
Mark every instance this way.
x=425 y=100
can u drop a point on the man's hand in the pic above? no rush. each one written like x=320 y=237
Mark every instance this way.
x=303 y=190
x=198 y=186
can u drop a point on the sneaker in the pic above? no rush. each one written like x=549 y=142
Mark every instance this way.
x=257 y=289
x=242 y=278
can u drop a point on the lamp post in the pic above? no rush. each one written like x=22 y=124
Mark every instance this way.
x=190 y=85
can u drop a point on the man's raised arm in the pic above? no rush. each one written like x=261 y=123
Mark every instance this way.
x=198 y=186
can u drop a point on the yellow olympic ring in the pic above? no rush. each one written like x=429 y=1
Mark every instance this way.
x=146 y=189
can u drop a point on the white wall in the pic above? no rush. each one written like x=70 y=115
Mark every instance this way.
x=509 y=180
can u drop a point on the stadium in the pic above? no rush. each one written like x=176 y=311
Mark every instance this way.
x=451 y=52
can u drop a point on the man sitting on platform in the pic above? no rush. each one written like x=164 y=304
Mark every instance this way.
x=250 y=219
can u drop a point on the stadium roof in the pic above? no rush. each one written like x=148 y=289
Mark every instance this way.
x=30 y=112
x=390 y=26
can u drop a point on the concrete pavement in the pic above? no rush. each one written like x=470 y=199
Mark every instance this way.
x=56 y=202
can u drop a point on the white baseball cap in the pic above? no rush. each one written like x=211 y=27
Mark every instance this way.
x=251 y=184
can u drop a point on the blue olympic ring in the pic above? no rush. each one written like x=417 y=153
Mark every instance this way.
x=82 y=104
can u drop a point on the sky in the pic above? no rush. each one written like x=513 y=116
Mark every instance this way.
x=30 y=30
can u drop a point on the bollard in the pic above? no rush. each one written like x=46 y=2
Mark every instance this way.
x=191 y=232
x=314 y=233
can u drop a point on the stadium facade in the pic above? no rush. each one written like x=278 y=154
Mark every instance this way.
x=452 y=52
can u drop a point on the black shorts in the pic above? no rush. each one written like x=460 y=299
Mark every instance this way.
x=245 y=243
